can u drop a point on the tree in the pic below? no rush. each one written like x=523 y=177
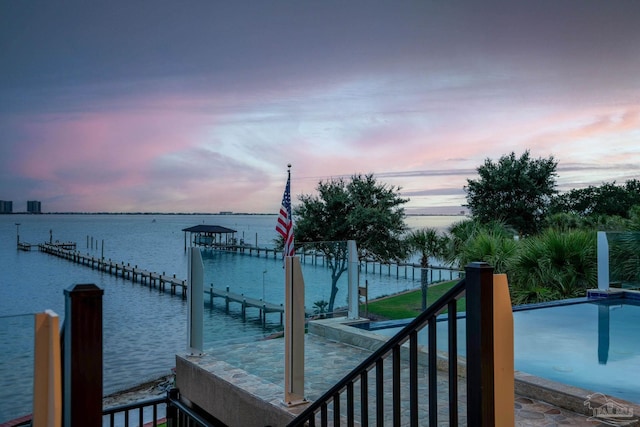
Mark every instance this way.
x=428 y=244
x=608 y=199
x=515 y=190
x=461 y=234
x=554 y=265
x=490 y=246
x=362 y=210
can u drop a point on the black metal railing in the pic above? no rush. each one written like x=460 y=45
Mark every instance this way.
x=404 y=347
x=128 y=414
x=177 y=413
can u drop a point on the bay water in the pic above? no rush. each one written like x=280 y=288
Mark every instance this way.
x=145 y=328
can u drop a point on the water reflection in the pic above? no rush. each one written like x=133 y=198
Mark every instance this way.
x=604 y=319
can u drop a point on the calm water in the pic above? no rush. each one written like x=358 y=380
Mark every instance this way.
x=143 y=329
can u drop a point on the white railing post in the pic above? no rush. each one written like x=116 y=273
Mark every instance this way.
x=294 y=333
x=354 y=274
x=195 y=302
x=603 y=261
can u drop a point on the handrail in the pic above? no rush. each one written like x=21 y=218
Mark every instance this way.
x=135 y=405
x=407 y=333
x=139 y=406
x=177 y=412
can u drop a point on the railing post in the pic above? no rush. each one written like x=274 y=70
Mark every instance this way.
x=354 y=299
x=82 y=385
x=195 y=303
x=47 y=378
x=480 y=345
x=172 y=411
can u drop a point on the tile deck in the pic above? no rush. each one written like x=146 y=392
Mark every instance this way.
x=327 y=361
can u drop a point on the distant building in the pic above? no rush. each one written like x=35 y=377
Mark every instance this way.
x=34 y=206
x=6 y=207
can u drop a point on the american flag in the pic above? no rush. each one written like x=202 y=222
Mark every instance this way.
x=285 y=221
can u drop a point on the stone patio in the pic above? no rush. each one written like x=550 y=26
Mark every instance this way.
x=257 y=369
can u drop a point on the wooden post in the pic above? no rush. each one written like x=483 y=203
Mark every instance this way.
x=503 y=371
x=82 y=404
x=47 y=377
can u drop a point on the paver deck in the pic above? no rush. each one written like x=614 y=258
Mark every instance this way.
x=326 y=362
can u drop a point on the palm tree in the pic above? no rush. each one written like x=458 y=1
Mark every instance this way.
x=463 y=233
x=554 y=265
x=488 y=246
x=428 y=244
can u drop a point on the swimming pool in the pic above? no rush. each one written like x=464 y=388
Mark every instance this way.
x=594 y=345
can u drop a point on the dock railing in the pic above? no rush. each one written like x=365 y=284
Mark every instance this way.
x=348 y=402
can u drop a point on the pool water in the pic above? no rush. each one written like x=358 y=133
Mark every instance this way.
x=594 y=345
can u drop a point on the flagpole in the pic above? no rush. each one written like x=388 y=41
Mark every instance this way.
x=289 y=283
x=294 y=303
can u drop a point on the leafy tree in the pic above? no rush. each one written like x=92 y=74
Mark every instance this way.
x=634 y=218
x=514 y=190
x=428 y=244
x=360 y=209
x=608 y=199
x=563 y=221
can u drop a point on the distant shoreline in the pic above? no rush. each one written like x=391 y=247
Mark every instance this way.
x=193 y=213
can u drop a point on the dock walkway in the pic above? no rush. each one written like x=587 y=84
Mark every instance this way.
x=406 y=270
x=125 y=271
x=160 y=281
x=246 y=302
x=24 y=246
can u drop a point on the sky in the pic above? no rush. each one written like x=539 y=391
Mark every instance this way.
x=199 y=106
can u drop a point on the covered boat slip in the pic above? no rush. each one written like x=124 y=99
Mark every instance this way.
x=210 y=235
x=218 y=237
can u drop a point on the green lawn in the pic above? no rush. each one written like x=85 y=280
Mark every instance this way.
x=408 y=304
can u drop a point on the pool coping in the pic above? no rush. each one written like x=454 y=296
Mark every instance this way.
x=575 y=399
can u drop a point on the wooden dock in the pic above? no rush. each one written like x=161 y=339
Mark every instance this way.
x=24 y=246
x=122 y=270
x=161 y=281
x=404 y=270
x=246 y=302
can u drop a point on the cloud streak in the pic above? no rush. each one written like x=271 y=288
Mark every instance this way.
x=107 y=108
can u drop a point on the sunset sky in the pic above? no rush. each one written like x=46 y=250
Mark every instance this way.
x=198 y=106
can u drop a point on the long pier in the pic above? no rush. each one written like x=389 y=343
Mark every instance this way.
x=125 y=271
x=405 y=270
x=161 y=281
